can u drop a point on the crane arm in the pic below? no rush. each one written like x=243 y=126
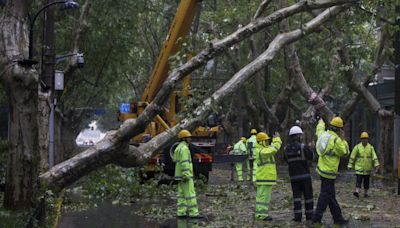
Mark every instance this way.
x=180 y=27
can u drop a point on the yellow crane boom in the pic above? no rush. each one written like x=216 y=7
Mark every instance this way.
x=180 y=27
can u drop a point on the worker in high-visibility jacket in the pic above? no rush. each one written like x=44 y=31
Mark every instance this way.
x=266 y=172
x=363 y=159
x=187 y=203
x=251 y=145
x=330 y=147
x=240 y=149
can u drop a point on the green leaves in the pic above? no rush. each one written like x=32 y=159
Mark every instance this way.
x=112 y=182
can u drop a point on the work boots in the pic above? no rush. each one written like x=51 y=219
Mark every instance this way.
x=343 y=222
x=366 y=194
x=356 y=193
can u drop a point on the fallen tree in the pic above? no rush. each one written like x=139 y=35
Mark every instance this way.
x=114 y=146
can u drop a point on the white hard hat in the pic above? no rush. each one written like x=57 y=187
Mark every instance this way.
x=295 y=130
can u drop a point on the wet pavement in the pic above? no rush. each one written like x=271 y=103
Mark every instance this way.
x=105 y=215
x=228 y=204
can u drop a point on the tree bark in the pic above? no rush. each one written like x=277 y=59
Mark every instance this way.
x=385 y=144
x=261 y=8
x=101 y=154
x=43 y=128
x=23 y=157
x=305 y=90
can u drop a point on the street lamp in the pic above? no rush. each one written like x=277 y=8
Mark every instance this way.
x=68 y=4
x=80 y=60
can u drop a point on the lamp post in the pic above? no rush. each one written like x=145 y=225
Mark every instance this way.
x=68 y=4
x=48 y=59
x=48 y=65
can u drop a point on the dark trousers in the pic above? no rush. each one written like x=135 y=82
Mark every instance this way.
x=362 y=178
x=327 y=196
x=303 y=188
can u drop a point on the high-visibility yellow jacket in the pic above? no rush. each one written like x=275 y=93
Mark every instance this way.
x=240 y=148
x=183 y=162
x=330 y=147
x=363 y=159
x=266 y=167
x=251 y=145
x=347 y=146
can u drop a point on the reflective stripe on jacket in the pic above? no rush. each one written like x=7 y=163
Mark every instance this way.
x=296 y=155
x=264 y=157
x=363 y=159
x=183 y=162
x=240 y=148
x=328 y=161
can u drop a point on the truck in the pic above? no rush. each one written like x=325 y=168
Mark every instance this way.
x=204 y=140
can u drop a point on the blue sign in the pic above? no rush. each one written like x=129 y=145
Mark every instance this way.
x=99 y=111
x=124 y=107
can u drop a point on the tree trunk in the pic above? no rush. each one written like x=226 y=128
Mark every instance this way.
x=23 y=157
x=385 y=144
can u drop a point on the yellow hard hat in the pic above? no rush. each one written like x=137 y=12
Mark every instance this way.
x=243 y=139
x=262 y=136
x=184 y=134
x=253 y=131
x=364 y=135
x=337 y=122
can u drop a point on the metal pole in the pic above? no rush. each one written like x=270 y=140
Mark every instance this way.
x=49 y=56
x=51 y=134
x=48 y=74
